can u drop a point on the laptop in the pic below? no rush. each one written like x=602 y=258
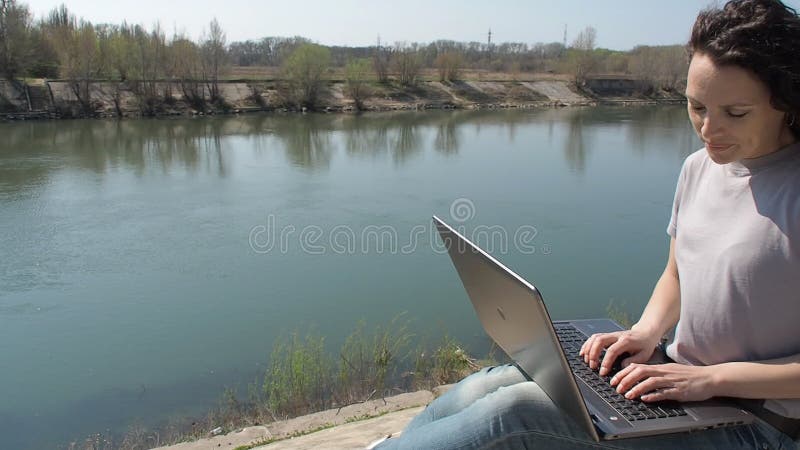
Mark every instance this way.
x=513 y=313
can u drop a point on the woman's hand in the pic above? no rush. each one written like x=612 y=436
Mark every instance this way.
x=665 y=382
x=638 y=344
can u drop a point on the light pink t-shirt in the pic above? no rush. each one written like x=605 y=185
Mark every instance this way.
x=737 y=246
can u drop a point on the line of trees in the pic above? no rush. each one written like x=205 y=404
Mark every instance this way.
x=61 y=45
x=272 y=51
x=662 y=65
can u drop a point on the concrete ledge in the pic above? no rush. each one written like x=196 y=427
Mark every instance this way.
x=355 y=435
x=352 y=426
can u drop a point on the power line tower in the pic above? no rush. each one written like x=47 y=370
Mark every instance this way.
x=489 y=41
x=565 y=35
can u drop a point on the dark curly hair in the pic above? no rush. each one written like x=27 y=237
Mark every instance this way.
x=762 y=36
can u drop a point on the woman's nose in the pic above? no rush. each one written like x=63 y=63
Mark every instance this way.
x=712 y=126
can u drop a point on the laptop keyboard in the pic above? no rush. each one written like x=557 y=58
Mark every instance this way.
x=633 y=410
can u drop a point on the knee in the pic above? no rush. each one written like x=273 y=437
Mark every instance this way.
x=515 y=398
x=495 y=372
x=487 y=381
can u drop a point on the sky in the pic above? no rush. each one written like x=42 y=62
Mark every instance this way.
x=620 y=24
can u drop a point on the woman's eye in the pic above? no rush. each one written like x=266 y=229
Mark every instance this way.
x=698 y=108
x=737 y=115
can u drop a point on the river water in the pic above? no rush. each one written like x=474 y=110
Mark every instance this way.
x=146 y=264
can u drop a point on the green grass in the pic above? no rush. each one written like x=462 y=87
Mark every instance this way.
x=303 y=376
x=619 y=314
x=298 y=375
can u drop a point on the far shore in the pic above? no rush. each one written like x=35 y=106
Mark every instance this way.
x=54 y=99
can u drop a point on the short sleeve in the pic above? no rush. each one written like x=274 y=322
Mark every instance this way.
x=672 y=227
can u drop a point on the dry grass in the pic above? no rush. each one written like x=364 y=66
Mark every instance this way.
x=337 y=74
x=303 y=378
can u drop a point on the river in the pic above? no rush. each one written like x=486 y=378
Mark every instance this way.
x=146 y=264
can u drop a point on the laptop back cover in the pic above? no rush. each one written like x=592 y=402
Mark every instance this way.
x=513 y=314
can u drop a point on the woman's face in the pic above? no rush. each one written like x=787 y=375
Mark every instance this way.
x=731 y=112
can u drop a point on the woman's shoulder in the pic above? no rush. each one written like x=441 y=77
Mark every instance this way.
x=695 y=164
x=697 y=160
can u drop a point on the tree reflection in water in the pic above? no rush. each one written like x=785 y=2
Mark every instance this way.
x=30 y=152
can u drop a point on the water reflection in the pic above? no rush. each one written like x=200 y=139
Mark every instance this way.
x=663 y=124
x=575 y=148
x=447 y=138
x=307 y=141
x=361 y=141
x=406 y=142
x=30 y=152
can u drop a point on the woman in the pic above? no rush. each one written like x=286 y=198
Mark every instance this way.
x=731 y=286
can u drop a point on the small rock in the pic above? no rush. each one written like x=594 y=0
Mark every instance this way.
x=216 y=431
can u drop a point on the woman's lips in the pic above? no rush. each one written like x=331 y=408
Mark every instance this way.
x=718 y=147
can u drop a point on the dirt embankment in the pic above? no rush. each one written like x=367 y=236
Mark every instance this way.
x=56 y=99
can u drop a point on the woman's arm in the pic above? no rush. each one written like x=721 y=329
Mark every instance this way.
x=661 y=314
x=664 y=307
x=775 y=378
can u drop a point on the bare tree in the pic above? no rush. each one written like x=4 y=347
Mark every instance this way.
x=150 y=49
x=214 y=58
x=121 y=51
x=356 y=75
x=449 y=65
x=406 y=63
x=78 y=53
x=87 y=64
x=585 y=39
x=380 y=61
x=185 y=60
x=582 y=60
x=659 y=67
x=15 y=38
x=674 y=65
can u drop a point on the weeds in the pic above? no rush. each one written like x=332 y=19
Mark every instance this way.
x=619 y=314
x=302 y=377
x=448 y=363
x=298 y=377
x=368 y=361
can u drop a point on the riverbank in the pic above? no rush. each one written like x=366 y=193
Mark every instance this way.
x=352 y=426
x=56 y=99
x=305 y=389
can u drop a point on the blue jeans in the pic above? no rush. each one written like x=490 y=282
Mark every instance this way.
x=498 y=408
